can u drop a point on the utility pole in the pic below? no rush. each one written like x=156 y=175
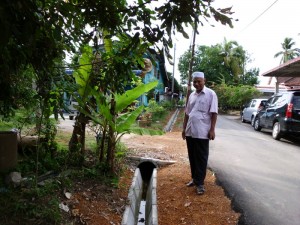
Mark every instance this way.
x=191 y=64
x=173 y=71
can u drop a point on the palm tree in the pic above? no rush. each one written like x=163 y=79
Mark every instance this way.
x=288 y=52
x=234 y=58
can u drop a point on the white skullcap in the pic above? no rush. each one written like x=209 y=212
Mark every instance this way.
x=198 y=74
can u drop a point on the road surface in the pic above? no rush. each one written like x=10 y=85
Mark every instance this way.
x=260 y=175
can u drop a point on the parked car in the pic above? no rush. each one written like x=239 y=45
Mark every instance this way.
x=73 y=112
x=281 y=114
x=251 y=108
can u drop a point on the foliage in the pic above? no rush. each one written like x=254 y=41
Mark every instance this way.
x=226 y=61
x=250 y=77
x=23 y=120
x=288 y=52
x=159 y=120
x=153 y=112
x=33 y=205
x=168 y=105
x=30 y=204
x=154 y=107
x=113 y=122
x=233 y=97
x=36 y=33
x=19 y=93
x=156 y=114
x=181 y=103
x=234 y=58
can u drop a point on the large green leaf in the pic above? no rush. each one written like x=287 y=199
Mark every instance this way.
x=102 y=105
x=129 y=96
x=125 y=121
x=107 y=41
x=82 y=74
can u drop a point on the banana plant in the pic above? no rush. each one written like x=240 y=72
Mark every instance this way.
x=104 y=98
x=124 y=121
x=119 y=123
x=83 y=76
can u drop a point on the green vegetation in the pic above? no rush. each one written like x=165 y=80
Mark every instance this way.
x=232 y=97
x=288 y=52
x=39 y=34
x=39 y=205
x=225 y=62
x=37 y=200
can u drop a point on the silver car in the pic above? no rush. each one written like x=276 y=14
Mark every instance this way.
x=251 y=108
x=72 y=108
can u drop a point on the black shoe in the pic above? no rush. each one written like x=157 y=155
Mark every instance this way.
x=190 y=184
x=200 y=190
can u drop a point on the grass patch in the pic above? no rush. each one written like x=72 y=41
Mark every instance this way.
x=62 y=138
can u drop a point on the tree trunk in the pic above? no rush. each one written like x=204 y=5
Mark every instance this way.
x=112 y=139
x=78 y=135
x=101 y=156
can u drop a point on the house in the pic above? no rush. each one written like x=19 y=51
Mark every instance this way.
x=156 y=72
x=268 y=90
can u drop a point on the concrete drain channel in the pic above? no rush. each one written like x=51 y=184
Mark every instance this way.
x=141 y=205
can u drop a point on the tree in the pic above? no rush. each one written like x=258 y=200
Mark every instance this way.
x=288 y=52
x=37 y=32
x=234 y=58
x=220 y=62
x=250 y=77
x=212 y=63
x=34 y=34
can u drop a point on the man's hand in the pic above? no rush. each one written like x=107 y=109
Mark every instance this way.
x=211 y=135
x=183 y=134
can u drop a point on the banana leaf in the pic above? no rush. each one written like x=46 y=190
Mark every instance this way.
x=125 y=121
x=122 y=101
x=82 y=74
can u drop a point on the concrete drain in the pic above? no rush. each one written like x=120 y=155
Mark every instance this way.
x=141 y=205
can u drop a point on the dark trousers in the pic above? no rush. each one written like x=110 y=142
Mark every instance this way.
x=198 y=150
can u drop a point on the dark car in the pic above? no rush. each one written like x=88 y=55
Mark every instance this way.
x=281 y=114
x=251 y=108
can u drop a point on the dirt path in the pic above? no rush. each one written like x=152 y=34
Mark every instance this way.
x=178 y=204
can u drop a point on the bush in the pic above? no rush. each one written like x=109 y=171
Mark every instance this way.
x=181 y=103
x=167 y=105
x=234 y=97
x=153 y=107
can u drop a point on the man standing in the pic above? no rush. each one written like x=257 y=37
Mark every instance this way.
x=198 y=128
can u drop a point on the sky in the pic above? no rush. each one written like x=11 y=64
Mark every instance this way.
x=261 y=28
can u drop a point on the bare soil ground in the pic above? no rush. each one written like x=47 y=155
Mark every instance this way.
x=94 y=203
x=178 y=204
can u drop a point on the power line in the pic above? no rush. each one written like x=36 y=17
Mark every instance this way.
x=260 y=15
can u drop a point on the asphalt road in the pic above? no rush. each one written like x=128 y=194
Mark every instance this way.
x=260 y=175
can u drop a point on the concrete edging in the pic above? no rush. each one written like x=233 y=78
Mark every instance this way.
x=131 y=213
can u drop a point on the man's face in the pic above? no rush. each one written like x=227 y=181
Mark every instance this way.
x=198 y=83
